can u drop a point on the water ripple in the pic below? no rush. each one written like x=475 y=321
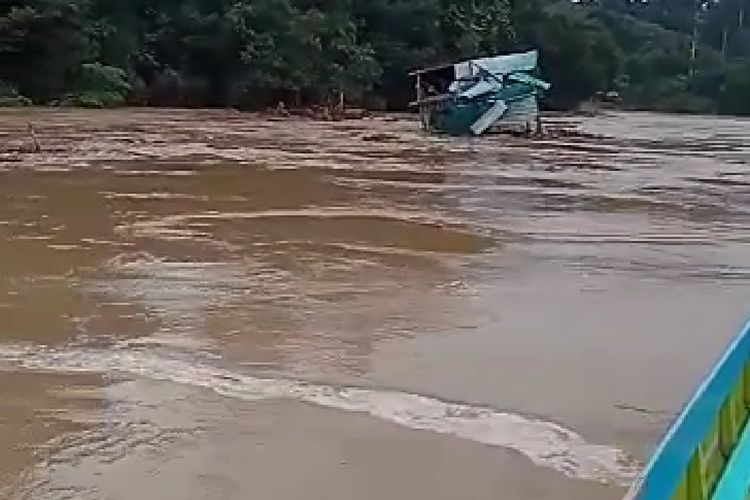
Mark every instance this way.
x=545 y=443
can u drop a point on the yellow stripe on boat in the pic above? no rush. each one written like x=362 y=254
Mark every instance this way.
x=706 y=452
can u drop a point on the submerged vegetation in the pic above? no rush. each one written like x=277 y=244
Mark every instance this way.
x=674 y=55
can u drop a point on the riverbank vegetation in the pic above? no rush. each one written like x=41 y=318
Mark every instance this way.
x=671 y=55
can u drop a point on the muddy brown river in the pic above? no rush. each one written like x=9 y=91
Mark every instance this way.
x=213 y=305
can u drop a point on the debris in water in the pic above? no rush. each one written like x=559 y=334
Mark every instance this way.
x=472 y=97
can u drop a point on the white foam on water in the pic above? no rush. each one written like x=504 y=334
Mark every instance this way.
x=545 y=443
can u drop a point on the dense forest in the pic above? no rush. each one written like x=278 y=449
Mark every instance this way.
x=675 y=55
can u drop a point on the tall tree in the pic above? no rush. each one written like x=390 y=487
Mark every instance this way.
x=42 y=43
x=253 y=53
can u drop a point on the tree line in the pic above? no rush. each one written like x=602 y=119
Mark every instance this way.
x=677 y=55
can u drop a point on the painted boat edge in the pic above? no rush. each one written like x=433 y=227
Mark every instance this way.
x=669 y=463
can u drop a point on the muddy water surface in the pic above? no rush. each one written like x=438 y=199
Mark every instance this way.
x=215 y=305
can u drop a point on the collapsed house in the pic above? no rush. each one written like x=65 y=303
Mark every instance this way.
x=472 y=97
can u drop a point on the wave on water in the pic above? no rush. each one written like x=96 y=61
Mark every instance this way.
x=545 y=443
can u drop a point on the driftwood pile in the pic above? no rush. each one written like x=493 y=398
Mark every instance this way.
x=336 y=112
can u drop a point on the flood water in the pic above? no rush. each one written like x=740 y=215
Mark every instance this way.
x=212 y=305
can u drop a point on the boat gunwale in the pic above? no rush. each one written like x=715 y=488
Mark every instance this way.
x=669 y=464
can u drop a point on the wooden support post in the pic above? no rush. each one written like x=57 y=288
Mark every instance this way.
x=539 y=129
x=420 y=95
x=35 y=147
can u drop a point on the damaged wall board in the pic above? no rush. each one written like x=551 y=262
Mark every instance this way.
x=474 y=96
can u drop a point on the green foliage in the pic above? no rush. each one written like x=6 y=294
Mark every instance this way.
x=93 y=99
x=660 y=73
x=98 y=86
x=735 y=94
x=254 y=53
x=40 y=42
x=97 y=77
x=472 y=28
x=10 y=98
x=14 y=102
x=237 y=52
x=578 y=54
x=403 y=35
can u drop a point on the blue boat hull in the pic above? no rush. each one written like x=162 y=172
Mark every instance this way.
x=706 y=452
